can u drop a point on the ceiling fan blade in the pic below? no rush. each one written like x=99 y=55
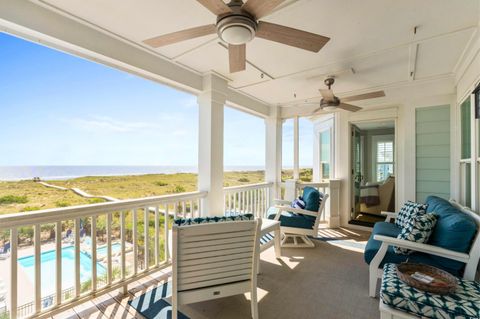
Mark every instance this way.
x=179 y=36
x=289 y=36
x=327 y=94
x=349 y=107
x=237 y=57
x=261 y=8
x=217 y=7
x=365 y=96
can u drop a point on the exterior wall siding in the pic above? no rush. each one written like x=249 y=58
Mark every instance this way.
x=432 y=140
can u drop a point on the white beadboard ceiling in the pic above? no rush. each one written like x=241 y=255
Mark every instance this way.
x=374 y=37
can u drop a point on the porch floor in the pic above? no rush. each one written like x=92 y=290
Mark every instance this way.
x=328 y=281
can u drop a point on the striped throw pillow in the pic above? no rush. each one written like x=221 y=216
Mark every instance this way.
x=298 y=203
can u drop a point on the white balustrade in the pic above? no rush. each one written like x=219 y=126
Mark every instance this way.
x=137 y=241
x=248 y=199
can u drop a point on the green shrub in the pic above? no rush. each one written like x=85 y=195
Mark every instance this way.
x=62 y=203
x=12 y=199
x=160 y=183
x=96 y=200
x=30 y=208
x=179 y=189
x=243 y=180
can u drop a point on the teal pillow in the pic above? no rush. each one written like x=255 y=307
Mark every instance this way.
x=311 y=196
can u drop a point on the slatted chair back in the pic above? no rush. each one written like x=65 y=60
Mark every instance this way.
x=215 y=260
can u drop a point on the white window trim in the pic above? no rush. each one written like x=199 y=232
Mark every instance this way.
x=321 y=127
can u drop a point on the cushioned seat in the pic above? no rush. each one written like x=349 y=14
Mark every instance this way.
x=288 y=219
x=454 y=230
x=464 y=303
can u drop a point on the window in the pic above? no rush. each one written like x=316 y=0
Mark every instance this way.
x=465 y=153
x=465 y=118
x=384 y=164
x=325 y=154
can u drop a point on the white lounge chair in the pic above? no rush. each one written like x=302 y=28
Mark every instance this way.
x=297 y=224
x=215 y=260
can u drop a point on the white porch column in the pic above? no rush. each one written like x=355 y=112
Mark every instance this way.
x=210 y=147
x=296 y=140
x=273 y=152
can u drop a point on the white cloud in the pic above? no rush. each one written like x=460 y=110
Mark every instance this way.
x=104 y=123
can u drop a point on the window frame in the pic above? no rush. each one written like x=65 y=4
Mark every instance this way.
x=378 y=141
x=322 y=127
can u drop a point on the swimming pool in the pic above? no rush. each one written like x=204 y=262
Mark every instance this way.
x=48 y=262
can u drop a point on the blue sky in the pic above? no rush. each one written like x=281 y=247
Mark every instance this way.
x=58 y=109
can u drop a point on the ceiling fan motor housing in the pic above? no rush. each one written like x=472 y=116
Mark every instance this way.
x=237 y=27
x=330 y=105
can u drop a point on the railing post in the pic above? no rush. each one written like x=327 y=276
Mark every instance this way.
x=333 y=203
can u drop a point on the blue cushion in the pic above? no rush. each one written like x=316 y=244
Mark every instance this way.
x=288 y=219
x=391 y=230
x=311 y=196
x=454 y=230
x=386 y=229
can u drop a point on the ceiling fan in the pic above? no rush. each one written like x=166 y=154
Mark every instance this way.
x=330 y=102
x=237 y=23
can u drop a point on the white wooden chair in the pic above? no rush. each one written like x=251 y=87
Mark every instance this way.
x=298 y=236
x=470 y=259
x=215 y=260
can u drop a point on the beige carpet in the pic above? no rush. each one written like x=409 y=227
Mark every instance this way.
x=329 y=281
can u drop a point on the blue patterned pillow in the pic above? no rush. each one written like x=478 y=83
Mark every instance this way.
x=408 y=211
x=298 y=203
x=419 y=229
x=213 y=219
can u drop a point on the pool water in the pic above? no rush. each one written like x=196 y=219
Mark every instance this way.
x=48 y=262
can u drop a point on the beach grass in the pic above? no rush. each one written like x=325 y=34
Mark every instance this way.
x=21 y=196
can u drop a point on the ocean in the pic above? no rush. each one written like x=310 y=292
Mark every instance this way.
x=15 y=173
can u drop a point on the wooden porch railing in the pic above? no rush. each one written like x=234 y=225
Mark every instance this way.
x=139 y=229
x=253 y=198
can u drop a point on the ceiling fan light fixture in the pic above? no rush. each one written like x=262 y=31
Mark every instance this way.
x=236 y=30
x=236 y=34
x=329 y=108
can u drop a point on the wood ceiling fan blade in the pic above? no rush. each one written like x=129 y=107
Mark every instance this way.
x=237 y=57
x=179 y=36
x=327 y=94
x=261 y=8
x=349 y=107
x=371 y=95
x=290 y=36
x=217 y=7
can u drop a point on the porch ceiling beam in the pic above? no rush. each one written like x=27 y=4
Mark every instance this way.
x=39 y=24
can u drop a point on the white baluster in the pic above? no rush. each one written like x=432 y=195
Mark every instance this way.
x=135 y=248
x=109 y=249
x=38 y=269
x=146 y=226
x=13 y=272
x=94 y=253
x=77 y=257
x=167 y=252
x=157 y=244
x=58 y=263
